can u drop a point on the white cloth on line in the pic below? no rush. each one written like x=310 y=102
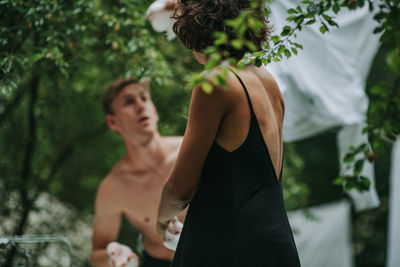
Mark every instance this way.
x=160 y=17
x=323 y=86
x=324 y=240
x=351 y=135
x=393 y=253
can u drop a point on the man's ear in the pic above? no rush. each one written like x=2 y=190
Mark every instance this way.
x=112 y=122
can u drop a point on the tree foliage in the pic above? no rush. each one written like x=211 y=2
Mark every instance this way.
x=57 y=57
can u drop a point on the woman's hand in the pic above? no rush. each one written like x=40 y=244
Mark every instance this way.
x=171 y=227
x=162 y=228
x=173 y=234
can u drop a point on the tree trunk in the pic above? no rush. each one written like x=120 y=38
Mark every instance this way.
x=26 y=201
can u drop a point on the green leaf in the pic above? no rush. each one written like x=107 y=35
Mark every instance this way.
x=393 y=59
x=339 y=181
x=213 y=61
x=38 y=56
x=221 y=38
x=361 y=147
x=358 y=166
x=348 y=158
x=209 y=50
x=326 y=17
x=220 y=81
x=237 y=44
x=323 y=29
x=294 y=50
x=298 y=45
x=194 y=80
x=286 y=30
x=281 y=49
x=207 y=87
x=251 y=46
x=258 y=62
x=299 y=20
x=287 y=53
x=365 y=183
x=330 y=20
x=336 y=8
x=275 y=39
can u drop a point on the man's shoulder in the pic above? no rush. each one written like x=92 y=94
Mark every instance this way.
x=112 y=182
x=107 y=186
x=122 y=176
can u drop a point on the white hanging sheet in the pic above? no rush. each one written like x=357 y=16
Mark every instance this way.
x=393 y=257
x=323 y=86
x=159 y=15
x=324 y=240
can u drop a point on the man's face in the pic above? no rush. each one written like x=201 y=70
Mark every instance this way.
x=135 y=116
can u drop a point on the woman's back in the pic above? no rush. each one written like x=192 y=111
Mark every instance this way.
x=268 y=106
x=237 y=216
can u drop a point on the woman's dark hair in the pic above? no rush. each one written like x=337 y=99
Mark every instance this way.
x=197 y=20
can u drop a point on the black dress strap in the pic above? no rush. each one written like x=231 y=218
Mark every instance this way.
x=245 y=90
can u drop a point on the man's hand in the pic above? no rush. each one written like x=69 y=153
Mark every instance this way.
x=121 y=255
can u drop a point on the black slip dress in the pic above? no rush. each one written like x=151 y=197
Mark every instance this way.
x=237 y=217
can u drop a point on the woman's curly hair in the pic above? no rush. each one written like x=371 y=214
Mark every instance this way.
x=197 y=20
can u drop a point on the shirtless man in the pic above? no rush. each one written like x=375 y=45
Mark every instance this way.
x=134 y=185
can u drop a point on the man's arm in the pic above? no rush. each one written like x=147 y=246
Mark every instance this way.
x=107 y=223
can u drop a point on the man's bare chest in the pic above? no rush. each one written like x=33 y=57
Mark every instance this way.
x=141 y=197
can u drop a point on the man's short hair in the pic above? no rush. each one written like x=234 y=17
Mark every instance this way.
x=113 y=90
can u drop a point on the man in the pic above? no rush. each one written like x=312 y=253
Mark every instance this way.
x=134 y=185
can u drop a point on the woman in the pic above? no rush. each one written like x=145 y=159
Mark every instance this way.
x=229 y=166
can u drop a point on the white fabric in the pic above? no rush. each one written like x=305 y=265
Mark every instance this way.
x=121 y=255
x=173 y=234
x=351 y=135
x=324 y=239
x=160 y=17
x=323 y=86
x=393 y=257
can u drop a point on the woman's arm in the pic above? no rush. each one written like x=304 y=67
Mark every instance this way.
x=205 y=116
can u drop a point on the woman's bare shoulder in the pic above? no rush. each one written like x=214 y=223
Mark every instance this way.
x=231 y=90
x=266 y=77
x=270 y=84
